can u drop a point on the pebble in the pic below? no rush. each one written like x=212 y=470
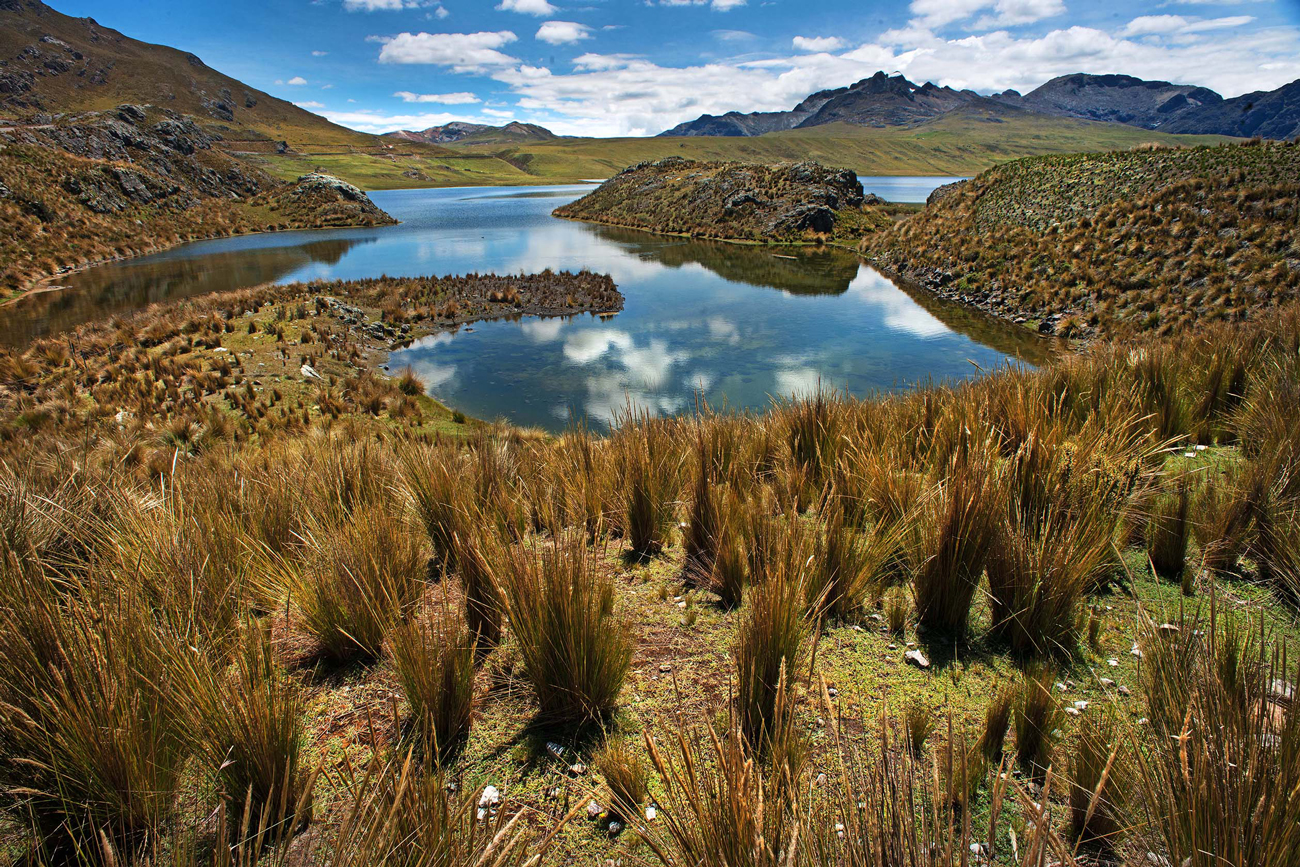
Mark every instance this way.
x=665 y=667
x=650 y=813
x=593 y=811
x=1106 y=682
x=1072 y=711
x=577 y=769
x=615 y=828
x=917 y=658
x=1112 y=662
x=1124 y=690
x=1136 y=651
x=488 y=801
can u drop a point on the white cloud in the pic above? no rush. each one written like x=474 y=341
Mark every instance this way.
x=309 y=104
x=369 y=120
x=716 y=5
x=463 y=52
x=297 y=81
x=383 y=5
x=563 y=32
x=539 y=8
x=319 y=53
x=441 y=12
x=817 y=43
x=1166 y=25
x=733 y=35
x=498 y=113
x=1004 y=13
x=463 y=98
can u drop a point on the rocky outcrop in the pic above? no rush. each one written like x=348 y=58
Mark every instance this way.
x=736 y=201
x=328 y=201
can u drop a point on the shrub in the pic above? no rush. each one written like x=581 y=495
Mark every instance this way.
x=434 y=663
x=359 y=580
x=561 y=610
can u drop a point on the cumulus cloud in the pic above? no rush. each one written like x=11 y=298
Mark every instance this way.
x=817 y=43
x=539 y=8
x=462 y=52
x=309 y=104
x=563 y=32
x=297 y=81
x=462 y=98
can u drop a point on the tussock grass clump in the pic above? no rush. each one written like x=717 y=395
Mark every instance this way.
x=1219 y=784
x=1168 y=531
x=1100 y=784
x=433 y=658
x=719 y=808
x=561 y=611
x=249 y=728
x=1038 y=720
x=437 y=494
x=997 y=716
x=93 y=736
x=478 y=555
x=403 y=815
x=918 y=725
x=360 y=579
x=625 y=775
x=770 y=653
x=951 y=544
x=847 y=564
x=648 y=466
x=729 y=573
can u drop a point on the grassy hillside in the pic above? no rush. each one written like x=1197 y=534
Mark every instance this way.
x=1152 y=239
x=957 y=144
x=330 y=601
x=56 y=63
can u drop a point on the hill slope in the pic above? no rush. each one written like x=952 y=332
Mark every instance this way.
x=1113 y=243
x=136 y=180
x=56 y=63
x=458 y=131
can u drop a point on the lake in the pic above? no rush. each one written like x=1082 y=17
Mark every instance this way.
x=734 y=324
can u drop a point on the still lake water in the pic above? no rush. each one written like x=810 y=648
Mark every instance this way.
x=737 y=324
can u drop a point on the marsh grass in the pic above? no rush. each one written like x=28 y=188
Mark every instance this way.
x=560 y=607
x=249 y=730
x=433 y=658
x=360 y=579
x=648 y=476
x=951 y=543
x=1168 y=531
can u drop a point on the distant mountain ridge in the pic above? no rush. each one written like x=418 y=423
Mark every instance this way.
x=475 y=133
x=891 y=100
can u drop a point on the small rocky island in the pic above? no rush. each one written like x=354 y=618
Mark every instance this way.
x=784 y=203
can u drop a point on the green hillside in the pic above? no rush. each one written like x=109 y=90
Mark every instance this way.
x=1116 y=243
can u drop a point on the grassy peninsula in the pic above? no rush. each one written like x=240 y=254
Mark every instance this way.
x=1153 y=239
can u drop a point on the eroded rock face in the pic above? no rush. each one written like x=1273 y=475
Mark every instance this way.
x=723 y=200
x=332 y=202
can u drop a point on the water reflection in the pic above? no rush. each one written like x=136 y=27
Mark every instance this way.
x=739 y=324
x=121 y=287
x=802 y=271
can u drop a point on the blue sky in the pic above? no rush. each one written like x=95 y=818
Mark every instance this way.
x=636 y=67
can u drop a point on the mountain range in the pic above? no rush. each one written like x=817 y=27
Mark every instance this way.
x=891 y=100
x=475 y=133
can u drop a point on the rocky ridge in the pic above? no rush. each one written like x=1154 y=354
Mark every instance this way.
x=734 y=201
